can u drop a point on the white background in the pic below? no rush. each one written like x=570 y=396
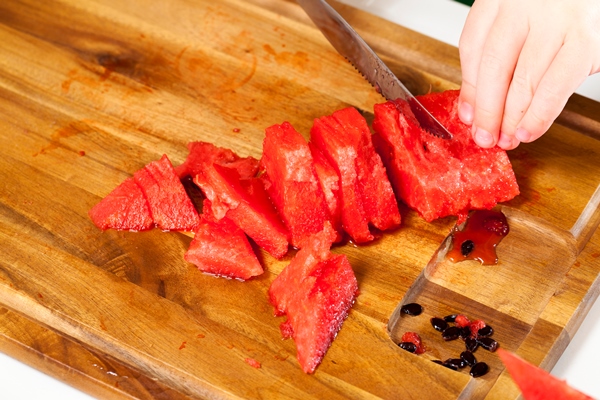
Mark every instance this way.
x=443 y=20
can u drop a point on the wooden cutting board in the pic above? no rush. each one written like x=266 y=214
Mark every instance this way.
x=91 y=91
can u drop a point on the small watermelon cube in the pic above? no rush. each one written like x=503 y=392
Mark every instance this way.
x=434 y=176
x=330 y=185
x=247 y=204
x=535 y=383
x=315 y=291
x=203 y=154
x=125 y=208
x=169 y=204
x=292 y=183
x=221 y=248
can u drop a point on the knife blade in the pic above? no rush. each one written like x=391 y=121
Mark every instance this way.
x=350 y=45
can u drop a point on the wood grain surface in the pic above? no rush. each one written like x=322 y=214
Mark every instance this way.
x=91 y=91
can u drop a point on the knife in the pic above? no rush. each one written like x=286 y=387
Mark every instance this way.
x=349 y=44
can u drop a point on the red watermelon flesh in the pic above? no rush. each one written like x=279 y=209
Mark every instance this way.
x=203 y=154
x=328 y=135
x=170 y=206
x=221 y=248
x=330 y=185
x=535 y=383
x=315 y=291
x=379 y=201
x=291 y=181
x=247 y=204
x=125 y=208
x=438 y=177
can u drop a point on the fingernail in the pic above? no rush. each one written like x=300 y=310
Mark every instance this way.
x=483 y=138
x=523 y=135
x=505 y=141
x=465 y=113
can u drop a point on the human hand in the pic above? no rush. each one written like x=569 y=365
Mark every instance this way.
x=521 y=60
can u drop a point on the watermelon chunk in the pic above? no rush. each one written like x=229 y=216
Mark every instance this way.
x=247 y=204
x=292 y=183
x=315 y=291
x=125 y=208
x=221 y=248
x=535 y=383
x=438 y=177
x=170 y=206
x=330 y=185
x=366 y=194
x=203 y=154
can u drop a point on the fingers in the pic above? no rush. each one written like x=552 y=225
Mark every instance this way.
x=566 y=72
x=472 y=40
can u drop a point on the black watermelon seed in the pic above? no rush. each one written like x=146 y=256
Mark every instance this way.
x=457 y=363
x=479 y=369
x=467 y=247
x=450 y=333
x=438 y=324
x=451 y=366
x=413 y=309
x=468 y=357
x=471 y=344
x=438 y=362
x=464 y=332
x=485 y=331
x=408 y=346
x=488 y=343
x=450 y=318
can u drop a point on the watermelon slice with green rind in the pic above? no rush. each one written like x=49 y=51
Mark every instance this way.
x=536 y=383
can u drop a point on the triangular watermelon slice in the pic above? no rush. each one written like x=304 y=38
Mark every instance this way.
x=292 y=182
x=170 y=206
x=125 y=208
x=439 y=177
x=247 y=204
x=535 y=383
x=315 y=291
x=221 y=248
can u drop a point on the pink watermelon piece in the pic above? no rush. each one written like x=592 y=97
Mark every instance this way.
x=247 y=204
x=330 y=185
x=170 y=206
x=535 y=383
x=315 y=291
x=125 y=208
x=221 y=248
x=203 y=154
x=292 y=183
x=438 y=177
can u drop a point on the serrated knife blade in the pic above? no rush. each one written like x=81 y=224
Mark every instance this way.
x=350 y=45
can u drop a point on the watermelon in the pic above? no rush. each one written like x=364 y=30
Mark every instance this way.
x=125 y=208
x=203 y=154
x=292 y=183
x=247 y=204
x=535 y=383
x=434 y=176
x=170 y=206
x=315 y=291
x=221 y=248
x=330 y=185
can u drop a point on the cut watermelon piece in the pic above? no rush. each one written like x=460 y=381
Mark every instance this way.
x=125 y=208
x=438 y=177
x=315 y=291
x=247 y=204
x=291 y=181
x=170 y=206
x=535 y=383
x=330 y=185
x=221 y=248
x=202 y=155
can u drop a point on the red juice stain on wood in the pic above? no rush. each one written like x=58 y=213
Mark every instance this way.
x=200 y=336
x=252 y=362
x=483 y=231
x=72 y=129
x=40 y=296
x=182 y=345
x=236 y=130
